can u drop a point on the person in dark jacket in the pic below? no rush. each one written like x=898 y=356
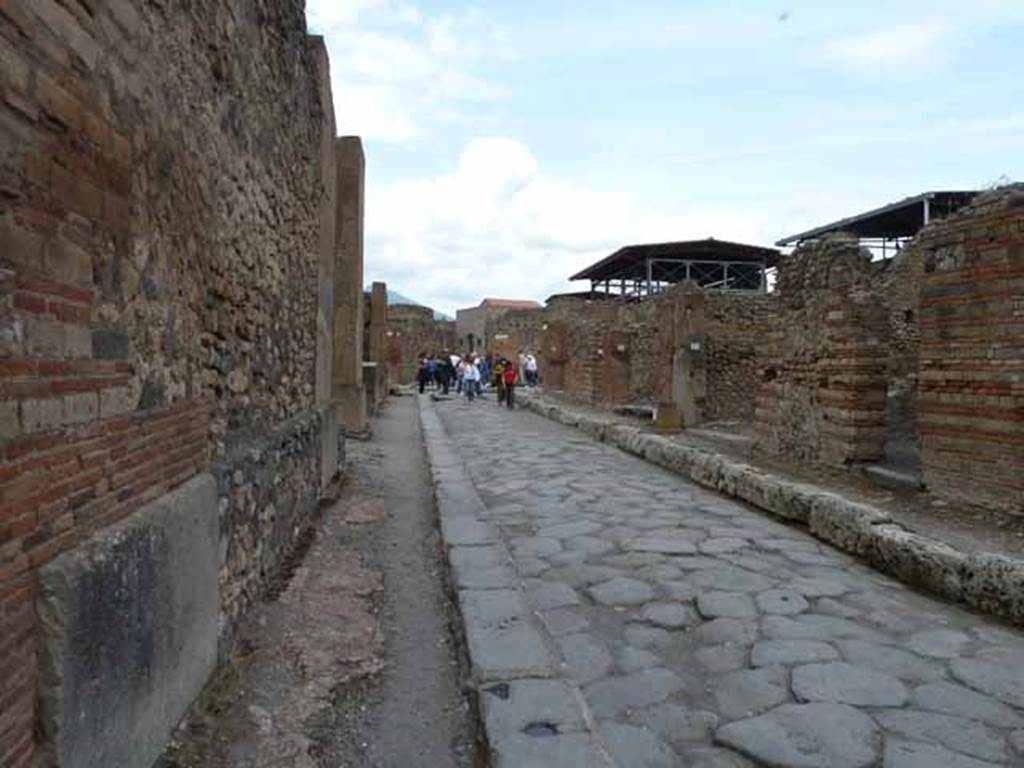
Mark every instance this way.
x=423 y=374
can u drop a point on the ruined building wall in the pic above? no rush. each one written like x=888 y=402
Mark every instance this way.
x=972 y=345
x=160 y=189
x=514 y=330
x=823 y=390
x=412 y=332
x=649 y=374
x=611 y=352
x=577 y=352
x=736 y=326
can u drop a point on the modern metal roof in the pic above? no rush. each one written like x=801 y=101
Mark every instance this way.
x=631 y=262
x=510 y=303
x=902 y=219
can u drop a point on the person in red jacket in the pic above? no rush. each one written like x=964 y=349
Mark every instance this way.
x=511 y=377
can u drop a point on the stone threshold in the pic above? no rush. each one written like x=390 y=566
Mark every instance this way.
x=533 y=713
x=989 y=582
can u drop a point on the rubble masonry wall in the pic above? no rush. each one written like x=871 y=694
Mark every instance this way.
x=822 y=395
x=160 y=190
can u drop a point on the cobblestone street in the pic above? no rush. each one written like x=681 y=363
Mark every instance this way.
x=705 y=634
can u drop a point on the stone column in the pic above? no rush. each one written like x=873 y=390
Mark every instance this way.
x=331 y=453
x=347 y=377
x=688 y=373
x=378 y=339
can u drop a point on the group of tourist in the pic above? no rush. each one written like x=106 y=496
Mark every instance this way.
x=472 y=374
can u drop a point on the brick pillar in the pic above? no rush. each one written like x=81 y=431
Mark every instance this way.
x=347 y=377
x=377 y=340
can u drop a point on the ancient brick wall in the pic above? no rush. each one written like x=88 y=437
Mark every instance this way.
x=514 y=330
x=584 y=346
x=159 y=198
x=412 y=333
x=972 y=347
x=823 y=390
x=611 y=352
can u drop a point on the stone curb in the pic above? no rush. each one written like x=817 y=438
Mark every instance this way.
x=533 y=715
x=989 y=582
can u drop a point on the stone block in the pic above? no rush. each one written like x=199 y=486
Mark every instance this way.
x=503 y=640
x=81 y=407
x=38 y=414
x=117 y=400
x=667 y=419
x=10 y=426
x=109 y=344
x=15 y=68
x=125 y=14
x=467 y=530
x=995 y=584
x=510 y=709
x=916 y=559
x=332 y=447
x=57 y=102
x=66 y=27
x=135 y=609
x=844 y=523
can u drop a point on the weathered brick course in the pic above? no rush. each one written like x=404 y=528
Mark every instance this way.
x=972 y=347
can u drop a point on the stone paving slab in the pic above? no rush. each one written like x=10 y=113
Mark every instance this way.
x=727 y=638
x=987 y=581
x=533 y=713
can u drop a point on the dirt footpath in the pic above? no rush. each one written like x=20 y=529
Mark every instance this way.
x=355 y=662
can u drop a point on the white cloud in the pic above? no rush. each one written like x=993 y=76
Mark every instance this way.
x=397 y=73
x=893 y=50
x=496 y=225
x=323 y=15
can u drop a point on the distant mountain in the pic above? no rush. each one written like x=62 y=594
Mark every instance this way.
x=394 y=297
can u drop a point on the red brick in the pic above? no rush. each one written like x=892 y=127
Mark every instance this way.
x=68 y=313
x=10 y=367
x=53 y=288
x=27 y=302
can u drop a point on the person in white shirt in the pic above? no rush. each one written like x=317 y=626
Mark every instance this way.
x=531 y=370
x=470 y=378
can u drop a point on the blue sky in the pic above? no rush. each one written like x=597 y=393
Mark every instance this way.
x=509 y=143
